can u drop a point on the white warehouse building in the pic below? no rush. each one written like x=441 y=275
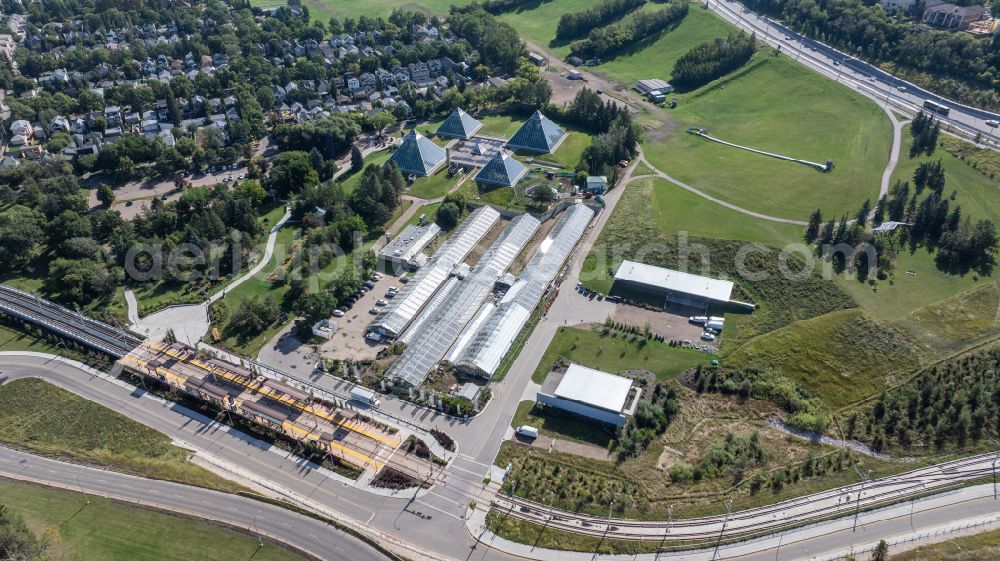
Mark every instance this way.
x=590 y=393
x=403 y=251
x=675 y=287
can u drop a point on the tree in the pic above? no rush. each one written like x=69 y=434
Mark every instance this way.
x=881 y=551
x=357 y=160
x=106 y=195
x=447 y=216
x=251 y=191
x=812 y=229
x=17 y=543
x=254 y=315
x=291 y=172
x=862 y=216
x=381 y=121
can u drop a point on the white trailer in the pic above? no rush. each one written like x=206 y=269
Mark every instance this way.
x=366 y=396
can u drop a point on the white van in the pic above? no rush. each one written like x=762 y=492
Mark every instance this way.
x=527 y=431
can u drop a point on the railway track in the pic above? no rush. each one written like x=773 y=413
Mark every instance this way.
x=842 y=501
x=73 y=325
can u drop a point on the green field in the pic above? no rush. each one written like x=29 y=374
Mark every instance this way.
x=840 y=357
x=614 y=353
x=776 y=105
x=434 y=186
x=679 y=210
x=500 y=126
x=538 y=24
x=657 y=59
x=979 y=197
x=569 y=152
x=958 y=322
x=106 y=530
x=14 y=340
x=50 y=421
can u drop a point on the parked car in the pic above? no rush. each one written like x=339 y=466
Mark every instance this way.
x=381 y=302
x=338 y=313
x=706 y=336
x=373 y=336
x=374 y=311
x=404 y=279
x=527 y=431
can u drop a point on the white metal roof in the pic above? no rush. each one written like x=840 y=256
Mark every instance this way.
x=405 y=306
x=676 y=281
x=486 y=350
x=411 y=241
x=594 y=387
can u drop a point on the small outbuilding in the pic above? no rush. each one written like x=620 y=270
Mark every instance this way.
x=597 y=184
x=674 y=287
x=590 y=393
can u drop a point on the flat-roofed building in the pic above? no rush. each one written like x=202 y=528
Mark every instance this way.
x=675 y=287
x=401 y=252
x=590 y=393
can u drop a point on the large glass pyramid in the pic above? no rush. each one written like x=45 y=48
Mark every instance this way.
x=537 y=134
x=458 y=125
x=418 y=155
x=502 y=171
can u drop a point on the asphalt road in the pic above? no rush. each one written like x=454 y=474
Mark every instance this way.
x=308 y=535
x=856 y=73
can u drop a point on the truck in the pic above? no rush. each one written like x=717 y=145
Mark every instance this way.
x=527 y=431
x=366 y=396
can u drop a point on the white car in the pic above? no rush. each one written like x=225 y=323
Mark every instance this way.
x=993 y=123
x=706 y=336
x=338 y=313
x=901 y=88
x=374 y=311
x=381 y=302
x=373 y=336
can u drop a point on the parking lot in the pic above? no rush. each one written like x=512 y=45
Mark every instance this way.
x=349 y=341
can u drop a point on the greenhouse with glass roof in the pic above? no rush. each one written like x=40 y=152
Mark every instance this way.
x=537 y=134
x=434 y=335
x=479 y=353
x=418 y=155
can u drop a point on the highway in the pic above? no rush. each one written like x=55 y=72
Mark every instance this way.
x=308 y=535
x=856 y=73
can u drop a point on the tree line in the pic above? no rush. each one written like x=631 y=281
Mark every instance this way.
x=925 y=130
x=955 y=404
x=713 y=59
x=958 y=65
x=575 y=24
x=635 y=27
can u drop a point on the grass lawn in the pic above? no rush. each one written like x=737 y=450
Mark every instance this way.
x=51 y=421
x=975 y=192
x=979 y=197
x=154 y=296
x=433 y=186
x=429 y=209
x=552 y=422
x=106 y=530
x=14 y=340
x=569 y=152
x=985 y=545
x=614 y=354
x=500 y=126
x=679 y=210
x=656 y=59
x=775 y=105
x=538 y=24
x=350 y=181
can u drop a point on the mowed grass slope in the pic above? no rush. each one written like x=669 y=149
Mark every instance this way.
x=775 y=105
x=105 y=530
x=48 y=420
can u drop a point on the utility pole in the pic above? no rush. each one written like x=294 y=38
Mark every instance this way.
x=995 y=460
x=260 y=542
x=857 y=510
x=670 y=517
x=729 y=510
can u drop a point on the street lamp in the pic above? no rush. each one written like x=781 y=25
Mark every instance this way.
x=995 y=460
x=260 y=542
x=864 y=479
x=670 y=518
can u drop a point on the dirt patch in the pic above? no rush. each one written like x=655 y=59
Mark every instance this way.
x=591 y=451
x=668 y=457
